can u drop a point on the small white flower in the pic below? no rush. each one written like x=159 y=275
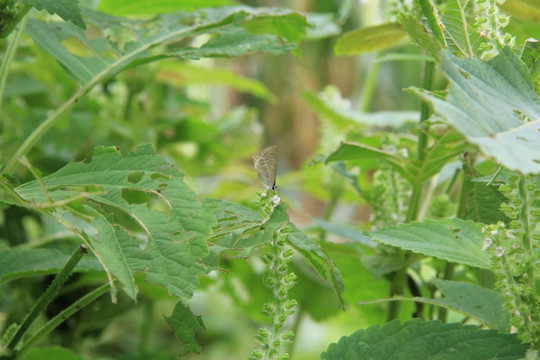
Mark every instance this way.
x=510 y=234
x=276 y=200
x=494 y=232
x=487 y=243
x=263 y=195
x=499 y=251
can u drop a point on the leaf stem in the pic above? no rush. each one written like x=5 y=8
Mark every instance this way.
x=369 y=86
x=62 y=316
x=47 y=296
x=8 y=58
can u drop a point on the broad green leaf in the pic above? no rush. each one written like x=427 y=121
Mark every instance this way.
x=415 y=339
x=483 y=304
x=185 y=324
x=18 y=262
x=342 y=116
x=153 y=7
x=494 y=105
x=146 y=219
x=49 y=353
x=372 y=38
x=350 y=151
x=183 y=74
x=460 y=36
x=67 y=9
x=452 y=240
x=114 y=44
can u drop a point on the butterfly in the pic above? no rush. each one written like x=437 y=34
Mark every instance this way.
x=265 y=165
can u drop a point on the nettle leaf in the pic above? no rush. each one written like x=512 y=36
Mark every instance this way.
x=460 y=37
x=52 y=352
x=485 y=305
x=146 y=219
x=67 y=9
x=185 y=324
x=372 y=38
x=494 y=105
x=483 y=202
x=418 y=33
x=18 y=262
x=112 y=44
x=454 y=240
x=415 y=339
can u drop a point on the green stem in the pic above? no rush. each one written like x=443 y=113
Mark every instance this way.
x=8 y=58
x=400 y=277
x=61 y=317
x=47 y=296
x=369 y=86
x=146 y=330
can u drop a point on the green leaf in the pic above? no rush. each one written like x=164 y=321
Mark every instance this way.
x=54 y=352
x=316 y=256
x=350 y=151
x=18 y=262
x=483 y=304
x=457 y=32
x=185 y=324
x=183 y=74
x=418 y=33
x=153 y=7
x=452 y=240
x=67 y=9
x=483 y=202
x=414 y=339
x=494 y=105
x=372 y=38
x=324 y=106
x=114 y=44
x=346 y=231
x=146 y=219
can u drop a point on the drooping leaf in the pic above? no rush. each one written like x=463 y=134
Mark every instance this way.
x=372 y=38
x=185 y=324
x=146 y=219
x=67 y=9
x=483 y=202
x=452 y=240
x=414 y=339
x=494 y=105
x=483 y=304
x=19 y=262
x=153 y=7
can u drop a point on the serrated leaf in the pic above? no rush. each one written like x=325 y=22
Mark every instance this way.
x=418 y=33
x=18 y=262
x=67 y=9
x=456 y=29
x=483 y=202
x=372 y=38
x=147 y=220
x=483 y=304
x=115 y=44
x=454 y=240
x=414 y=339
x=185 y=324
x=494 y=105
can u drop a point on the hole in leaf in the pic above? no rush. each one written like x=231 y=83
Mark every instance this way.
x=464 y=73
x=156 y=176
x=77 y=47
x=152 y=200
x=135 y=177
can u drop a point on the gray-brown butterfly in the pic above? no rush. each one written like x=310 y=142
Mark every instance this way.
x=265 y=165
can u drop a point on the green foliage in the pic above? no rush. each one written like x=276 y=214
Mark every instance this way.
x=67 y=9
x=369 y=39
x=428 y=340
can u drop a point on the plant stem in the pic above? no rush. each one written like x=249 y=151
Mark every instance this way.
x=47 y=296
x=400 y=276
x=369 y=86
x=62 y=316
x=8 y=58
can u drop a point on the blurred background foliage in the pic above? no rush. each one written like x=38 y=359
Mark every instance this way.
x=208 y=117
